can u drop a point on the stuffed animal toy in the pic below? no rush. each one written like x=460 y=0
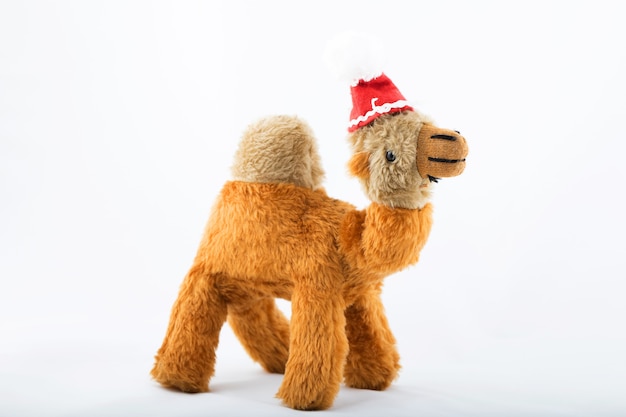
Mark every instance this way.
x=274 y=232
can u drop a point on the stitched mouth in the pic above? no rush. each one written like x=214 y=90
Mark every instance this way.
x=446 y=161
x=444 y=137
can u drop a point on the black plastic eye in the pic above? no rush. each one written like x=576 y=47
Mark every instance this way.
x=390 y=156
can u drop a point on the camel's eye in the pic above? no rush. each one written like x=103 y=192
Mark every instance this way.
x=390 y=156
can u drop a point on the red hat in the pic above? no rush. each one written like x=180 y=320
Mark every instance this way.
x=373 y=98
x=358 y=58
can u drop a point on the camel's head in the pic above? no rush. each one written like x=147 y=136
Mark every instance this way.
x=398 y=152
x=398 y=155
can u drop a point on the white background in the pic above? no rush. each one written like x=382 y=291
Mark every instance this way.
x=118 y=123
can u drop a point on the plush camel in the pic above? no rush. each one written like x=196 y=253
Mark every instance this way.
x=274 y=232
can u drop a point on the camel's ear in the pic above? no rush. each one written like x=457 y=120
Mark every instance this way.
x=359 y=165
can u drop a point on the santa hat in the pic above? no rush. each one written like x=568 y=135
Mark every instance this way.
x=358 y=58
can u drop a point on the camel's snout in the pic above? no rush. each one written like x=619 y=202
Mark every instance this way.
x=441 y=153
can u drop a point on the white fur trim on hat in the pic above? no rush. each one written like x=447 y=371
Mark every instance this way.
x=382 y=109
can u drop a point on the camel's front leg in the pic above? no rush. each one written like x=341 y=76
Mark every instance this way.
x=373 y=361
x=186 y=360
x=317 y=349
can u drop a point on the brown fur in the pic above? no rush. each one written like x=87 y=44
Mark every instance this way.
x=273 y=232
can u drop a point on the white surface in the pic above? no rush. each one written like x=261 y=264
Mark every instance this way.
x=118 y=122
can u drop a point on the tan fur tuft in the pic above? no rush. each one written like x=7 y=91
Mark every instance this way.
x=279 y=149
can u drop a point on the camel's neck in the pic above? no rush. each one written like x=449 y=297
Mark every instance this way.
x=383 y=240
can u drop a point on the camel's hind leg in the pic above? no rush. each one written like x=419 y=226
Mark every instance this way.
x=263 y=330
x=186 y=360
x=373 y=361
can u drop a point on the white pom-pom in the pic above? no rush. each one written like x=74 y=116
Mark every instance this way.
x=354 y=56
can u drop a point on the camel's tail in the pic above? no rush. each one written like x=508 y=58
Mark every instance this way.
x=279 y=149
